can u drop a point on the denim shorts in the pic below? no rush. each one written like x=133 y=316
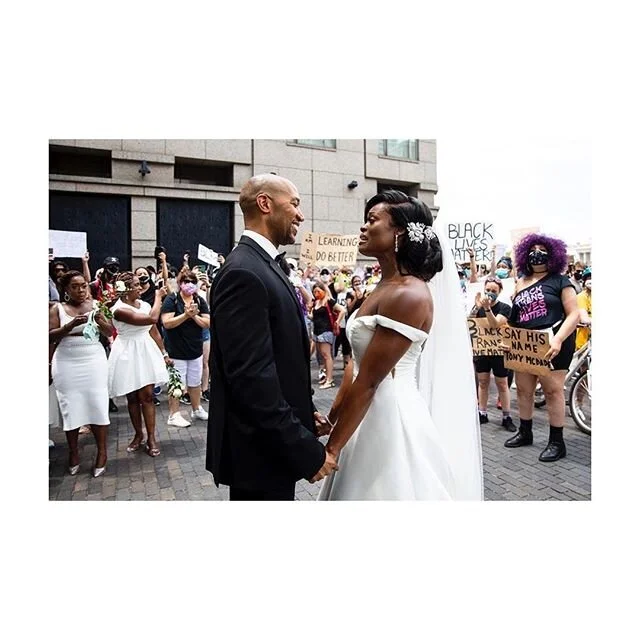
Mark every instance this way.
x=327 y=337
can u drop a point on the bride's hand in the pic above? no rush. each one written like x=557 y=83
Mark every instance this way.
x=323 y=428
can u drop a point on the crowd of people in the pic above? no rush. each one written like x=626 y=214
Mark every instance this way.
x=119 y=333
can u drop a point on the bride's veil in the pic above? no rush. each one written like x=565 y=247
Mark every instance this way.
x=447 y=380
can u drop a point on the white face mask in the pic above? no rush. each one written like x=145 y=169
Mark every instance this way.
x=587 y=285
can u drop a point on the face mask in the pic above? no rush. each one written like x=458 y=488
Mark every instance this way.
x=188 y=288
x=587 y=285
x=324 y=278
x=491 y=295
x=538 y=257
x=502 y=273
x=144 y=280
x=112 y=271
x=578 y=275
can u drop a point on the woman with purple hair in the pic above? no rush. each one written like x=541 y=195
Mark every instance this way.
x=544 y=299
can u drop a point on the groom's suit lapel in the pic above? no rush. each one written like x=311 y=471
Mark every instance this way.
x=275 y=267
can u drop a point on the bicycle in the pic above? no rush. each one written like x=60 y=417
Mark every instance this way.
x=578 y=380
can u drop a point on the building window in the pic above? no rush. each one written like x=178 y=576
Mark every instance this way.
x=192 y=171
x=327 y=144
x=77 y=161
x=405 y=149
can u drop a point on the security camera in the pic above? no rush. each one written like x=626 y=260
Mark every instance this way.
x=144 y=168
x=353 y=184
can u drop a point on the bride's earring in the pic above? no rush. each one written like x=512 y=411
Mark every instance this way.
x=67 y=298
x=396 y=244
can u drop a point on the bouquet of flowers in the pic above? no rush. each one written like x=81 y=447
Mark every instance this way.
x=175 y=387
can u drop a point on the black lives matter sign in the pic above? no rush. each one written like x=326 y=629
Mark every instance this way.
x=478 y=236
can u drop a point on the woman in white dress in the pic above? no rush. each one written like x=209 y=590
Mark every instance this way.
x=137 y=361
x=404 y=422
x=79 y=368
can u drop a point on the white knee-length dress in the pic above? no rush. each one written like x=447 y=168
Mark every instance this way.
x=79 y=371
x=135 y=360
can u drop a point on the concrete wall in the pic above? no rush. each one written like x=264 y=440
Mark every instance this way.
x=321 y=176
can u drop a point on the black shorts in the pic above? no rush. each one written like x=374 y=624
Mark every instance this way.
x=562 y=361
x=341 y=341
x=484 y=364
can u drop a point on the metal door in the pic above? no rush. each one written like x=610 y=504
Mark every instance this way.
x=183 y=224
x=106 y=220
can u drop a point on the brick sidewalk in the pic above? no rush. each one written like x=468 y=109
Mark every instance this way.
x=178 y=473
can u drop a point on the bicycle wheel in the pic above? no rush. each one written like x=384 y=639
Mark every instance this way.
x=538 y=398
x=580 y=402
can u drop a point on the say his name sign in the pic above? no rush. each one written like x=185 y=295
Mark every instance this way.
x=329 y=250
x=528 y=348
x=485 y=339
x=478 y=236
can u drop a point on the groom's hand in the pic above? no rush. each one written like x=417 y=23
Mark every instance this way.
x=328 y=467
x=323 y=428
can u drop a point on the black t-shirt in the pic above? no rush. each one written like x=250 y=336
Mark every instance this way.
x=185 y=341
x=321 y=321
x=499 y=308
x=539 y=306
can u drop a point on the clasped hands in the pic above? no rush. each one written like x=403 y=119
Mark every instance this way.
x=330 y=465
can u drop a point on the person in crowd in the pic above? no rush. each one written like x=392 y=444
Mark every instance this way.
x=138 y=360
x=54 y=294
x=341 y=286
x=204 y=286
x=405 y=423
x=544 y=299
x=326 y=314
x=497 y=314
x=57 y=268
x=184 y=315
x=79 y=368
x=102 y=288
x=584 y=305
x=355 y=296
x=575 y=272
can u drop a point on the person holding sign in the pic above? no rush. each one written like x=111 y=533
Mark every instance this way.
x=405 y=421
x=544 y=300
x=497 y=313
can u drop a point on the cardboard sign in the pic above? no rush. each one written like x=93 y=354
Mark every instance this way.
x=207 y=255
x=478 y=236
x=528 y=348
x=470 y=297
x=329 y=250
x=68 y=244
x=485 y=340
x=508 y=287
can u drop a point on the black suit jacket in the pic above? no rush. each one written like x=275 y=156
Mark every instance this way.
x=261 y=428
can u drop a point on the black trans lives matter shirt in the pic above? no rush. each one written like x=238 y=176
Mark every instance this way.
x=539 y=306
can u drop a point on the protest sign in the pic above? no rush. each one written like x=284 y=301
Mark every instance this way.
x=329 y=250
x=478 y=236
x=68 y=244
x=527 y=350
x=485 y=340
x=207 y=255
x=501 y=251
x=470 y=297
x=508 y=287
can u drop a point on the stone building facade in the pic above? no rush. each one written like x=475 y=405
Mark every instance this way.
x=131 y=195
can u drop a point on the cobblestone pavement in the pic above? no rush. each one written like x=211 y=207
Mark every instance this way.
x=179 y=473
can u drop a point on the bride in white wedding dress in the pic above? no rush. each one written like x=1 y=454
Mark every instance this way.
x=405 y=420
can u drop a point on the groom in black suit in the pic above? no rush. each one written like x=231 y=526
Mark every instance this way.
x=261 y=437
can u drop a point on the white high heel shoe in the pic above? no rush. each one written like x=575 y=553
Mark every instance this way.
x=98 y=471
x=74 y=470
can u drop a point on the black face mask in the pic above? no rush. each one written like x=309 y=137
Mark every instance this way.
x=112 y=271
x=144 y=279
x=538 y=257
